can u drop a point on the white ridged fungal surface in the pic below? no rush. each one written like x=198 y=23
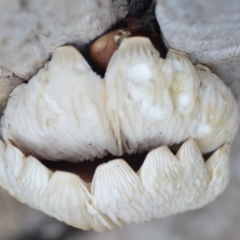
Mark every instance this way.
x=155 y=101
x=165 y=184
x=144 y=103
x=68 y=112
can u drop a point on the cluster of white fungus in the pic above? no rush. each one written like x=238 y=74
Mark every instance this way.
x=143 y=103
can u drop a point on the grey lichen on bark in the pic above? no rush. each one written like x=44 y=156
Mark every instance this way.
x=8 y=81
x=32 y=30
x=208 y=31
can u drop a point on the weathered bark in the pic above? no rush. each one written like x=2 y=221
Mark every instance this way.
x=207 y=30
x=31 y=30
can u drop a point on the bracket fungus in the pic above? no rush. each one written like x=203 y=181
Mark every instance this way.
x=149 y=139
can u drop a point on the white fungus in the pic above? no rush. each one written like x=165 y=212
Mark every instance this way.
x=143 y=103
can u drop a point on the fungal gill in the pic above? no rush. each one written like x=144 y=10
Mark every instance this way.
x=165 y=184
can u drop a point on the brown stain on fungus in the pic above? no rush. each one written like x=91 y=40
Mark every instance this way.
x=102 y=49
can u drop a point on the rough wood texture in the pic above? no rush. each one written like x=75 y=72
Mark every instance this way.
x=31 y=30
x=209 y=31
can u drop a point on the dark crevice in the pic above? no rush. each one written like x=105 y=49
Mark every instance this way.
x=138 y=7
x=206 y=156
x=140 y=21
x=86 y=169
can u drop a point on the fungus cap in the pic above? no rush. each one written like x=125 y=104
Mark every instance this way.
x=143 y=103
